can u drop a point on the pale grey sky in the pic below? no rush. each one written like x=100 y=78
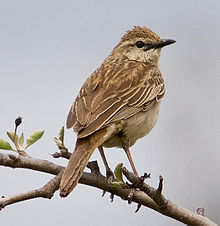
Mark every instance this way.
x=47 y=50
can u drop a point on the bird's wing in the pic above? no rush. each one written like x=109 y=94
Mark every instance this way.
x=114 y=93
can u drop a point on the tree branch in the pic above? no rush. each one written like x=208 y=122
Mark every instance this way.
x=165 y=206
x=146 y=196
x=46 y=191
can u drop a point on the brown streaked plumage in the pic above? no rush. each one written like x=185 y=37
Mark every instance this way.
x=118 y=103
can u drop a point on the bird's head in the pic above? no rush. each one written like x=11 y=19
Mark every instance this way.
x=141 y=44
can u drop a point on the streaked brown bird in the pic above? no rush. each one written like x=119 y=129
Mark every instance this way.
x=118 y=104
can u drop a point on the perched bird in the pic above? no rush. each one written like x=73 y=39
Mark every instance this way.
x=118 y=104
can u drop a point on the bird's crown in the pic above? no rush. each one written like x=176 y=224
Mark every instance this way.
x=140 y=32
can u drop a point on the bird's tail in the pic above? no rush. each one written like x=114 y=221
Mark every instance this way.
x=79 y=159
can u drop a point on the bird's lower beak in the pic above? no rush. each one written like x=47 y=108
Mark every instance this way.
x=164 y=42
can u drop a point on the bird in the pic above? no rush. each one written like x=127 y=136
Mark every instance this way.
x=118 y=104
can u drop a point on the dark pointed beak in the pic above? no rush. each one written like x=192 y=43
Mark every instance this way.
x=164 y=42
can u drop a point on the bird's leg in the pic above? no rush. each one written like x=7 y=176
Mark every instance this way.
x=125 y=146
x=109 y=173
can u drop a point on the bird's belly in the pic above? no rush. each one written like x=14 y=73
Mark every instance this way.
x=135 y=127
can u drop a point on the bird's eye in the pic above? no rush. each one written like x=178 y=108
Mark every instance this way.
x=139 y=44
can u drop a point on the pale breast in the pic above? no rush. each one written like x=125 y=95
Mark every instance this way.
x=135 y=127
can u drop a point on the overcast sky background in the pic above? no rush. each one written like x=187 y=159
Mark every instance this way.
x=47 y=50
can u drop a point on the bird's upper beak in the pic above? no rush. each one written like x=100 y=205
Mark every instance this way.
x=164 y=42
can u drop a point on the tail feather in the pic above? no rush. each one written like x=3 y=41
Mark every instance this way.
x=79 y=159
x=76 y=165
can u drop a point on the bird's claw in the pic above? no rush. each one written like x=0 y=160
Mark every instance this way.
x=110 y=178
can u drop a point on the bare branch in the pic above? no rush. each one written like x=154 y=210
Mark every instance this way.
x=165 y=206
x=94 y=179
x=29 y=163
x=148 y=196
x=46 y=191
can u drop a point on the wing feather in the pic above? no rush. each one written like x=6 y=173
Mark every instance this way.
x=110 y=95
x=100 y=120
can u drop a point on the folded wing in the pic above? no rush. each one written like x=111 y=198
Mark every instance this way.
x=112 y=94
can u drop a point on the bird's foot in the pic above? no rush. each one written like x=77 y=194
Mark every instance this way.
x=110 y=178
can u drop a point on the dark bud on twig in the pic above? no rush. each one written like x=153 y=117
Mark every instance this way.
x=160 y=186
x=201 y=211
x=138 y=207
x=112 y=197
x=18 y=121
x=56 y=155
x=103 y=194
